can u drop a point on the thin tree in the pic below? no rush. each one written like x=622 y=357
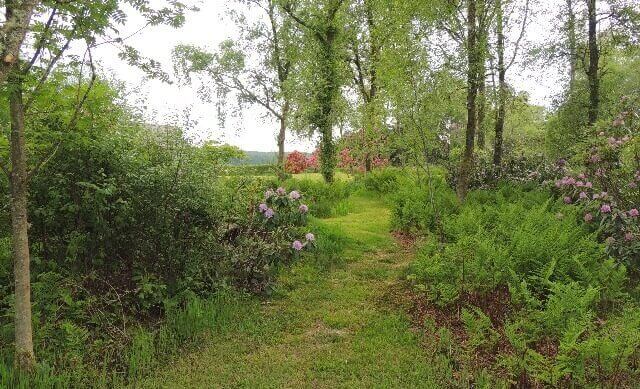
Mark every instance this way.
x=466 y=165
x=261 y=80
x=594 y=62
x=503 y=67
x=52 y=29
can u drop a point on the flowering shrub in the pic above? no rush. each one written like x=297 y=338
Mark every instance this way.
x=606 y=187
x=296 y=163
x=313 y=162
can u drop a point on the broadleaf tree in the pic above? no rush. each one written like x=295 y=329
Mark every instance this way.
x=36 y=37
x=255 y=68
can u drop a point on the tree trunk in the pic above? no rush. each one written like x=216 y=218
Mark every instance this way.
x=328 y=92
x=502 y=90
x=283 y=133
x=25 y=357
x=483 y=43
x=594 y=60
x=466 y=166
x=482 y=107
x=572 y=43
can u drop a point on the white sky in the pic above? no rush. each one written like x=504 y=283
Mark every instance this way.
x=208 y=28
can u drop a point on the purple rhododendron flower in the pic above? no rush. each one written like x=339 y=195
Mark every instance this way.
x=634 y=213
x=606 y=208
x=297 y=245
x=303 y=208
x=567 y=200
x=588 y=185
x=263 y=207
x=583 y=196
x=588 y=217
x=310 y=237
x=295 y=195
x=281 y=191
x=269 y=213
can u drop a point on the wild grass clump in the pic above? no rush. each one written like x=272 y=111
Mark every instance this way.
x=536 y=291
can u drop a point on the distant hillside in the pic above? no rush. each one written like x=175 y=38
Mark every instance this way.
x=257 y=158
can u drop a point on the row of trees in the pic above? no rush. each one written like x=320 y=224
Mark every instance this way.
x=318 y=65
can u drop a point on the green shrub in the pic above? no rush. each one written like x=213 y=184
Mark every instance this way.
x=325 y=199
x=419 y=206
x=564 y=290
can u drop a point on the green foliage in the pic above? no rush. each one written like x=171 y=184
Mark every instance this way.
x=327 y=199
x=563 y=291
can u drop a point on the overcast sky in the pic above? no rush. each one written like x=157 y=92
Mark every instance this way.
x=208 y=28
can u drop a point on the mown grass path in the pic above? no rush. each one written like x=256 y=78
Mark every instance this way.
x=322 y=328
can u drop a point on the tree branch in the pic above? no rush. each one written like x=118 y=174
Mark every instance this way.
x=41 y=41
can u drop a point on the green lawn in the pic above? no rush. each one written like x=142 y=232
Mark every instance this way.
x=322 y=328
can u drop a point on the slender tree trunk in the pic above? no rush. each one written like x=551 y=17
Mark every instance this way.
x=472 y=90
x=594 y=61
x=502 y=90
x=327 y=96
x=284 y=115
x=25 y=357
x=483 y=43
x=572 y=42
x=482 y=109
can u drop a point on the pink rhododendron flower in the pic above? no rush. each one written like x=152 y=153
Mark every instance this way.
x=269 y=213
x=634 y=212
x=263 y=207
x=629 y=236
x=281 y=191
x=588 y=185
x=588 y=217
x=583 y=196
x=606 y=208
x=303 y=208
x=310 y=237
x=567 y=200
x=297 y=245
x=295 y=195
x=269 y=193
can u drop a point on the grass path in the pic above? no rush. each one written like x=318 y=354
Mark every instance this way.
x=322 y=328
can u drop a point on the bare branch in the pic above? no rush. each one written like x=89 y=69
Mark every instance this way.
x=41 y=41
x=522 y=32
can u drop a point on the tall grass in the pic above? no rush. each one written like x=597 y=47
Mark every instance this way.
x=186 y=324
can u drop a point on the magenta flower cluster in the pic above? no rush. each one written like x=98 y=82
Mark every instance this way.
x=298 y=245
